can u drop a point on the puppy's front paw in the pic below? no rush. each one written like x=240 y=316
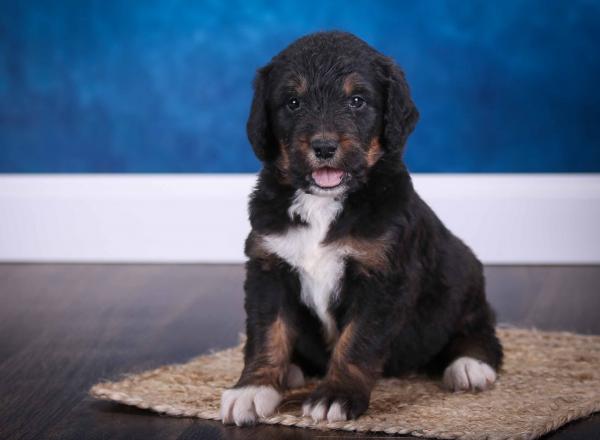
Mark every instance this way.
x=335 y=404
x=466 y=373
x=243 y=405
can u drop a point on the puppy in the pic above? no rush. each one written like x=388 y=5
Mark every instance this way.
x=350 y=275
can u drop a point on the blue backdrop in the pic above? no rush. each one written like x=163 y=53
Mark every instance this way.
x=164 y=86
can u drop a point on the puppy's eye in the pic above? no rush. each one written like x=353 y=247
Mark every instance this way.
x=356 y=102
x=293 y=104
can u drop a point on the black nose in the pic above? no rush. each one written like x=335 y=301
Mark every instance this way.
x=324 y=149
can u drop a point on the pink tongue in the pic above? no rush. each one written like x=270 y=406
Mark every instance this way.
x=327 y=177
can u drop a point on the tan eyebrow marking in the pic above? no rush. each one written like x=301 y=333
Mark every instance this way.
x=299 y=84
x=351 y=81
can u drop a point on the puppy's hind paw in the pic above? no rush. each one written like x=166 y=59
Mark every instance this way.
x=466 y=373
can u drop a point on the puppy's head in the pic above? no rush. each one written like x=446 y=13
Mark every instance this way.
x=326 y=110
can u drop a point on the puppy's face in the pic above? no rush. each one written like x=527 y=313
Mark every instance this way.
x=321 y=113
x=327 y=124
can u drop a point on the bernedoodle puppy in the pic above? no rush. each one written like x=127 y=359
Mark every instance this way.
x=350 y=275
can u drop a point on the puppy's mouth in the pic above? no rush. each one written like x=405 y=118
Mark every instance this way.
x=328 y=177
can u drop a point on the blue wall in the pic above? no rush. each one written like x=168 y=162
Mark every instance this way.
x=164 y=86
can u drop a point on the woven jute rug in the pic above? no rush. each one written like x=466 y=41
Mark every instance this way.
x=548 y=379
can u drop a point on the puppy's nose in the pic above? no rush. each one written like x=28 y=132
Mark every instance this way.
x=324 y=148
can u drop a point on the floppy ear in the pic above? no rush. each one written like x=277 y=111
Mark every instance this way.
x=400 y=113
x=258 y=126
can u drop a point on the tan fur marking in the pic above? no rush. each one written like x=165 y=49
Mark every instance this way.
x=299 y=84
x=271 y=366
x=348 y=143
x=283 y=164
x=342 y=346
x=374 y=152
x=305 y=148
x=278 y=350
x=372 y=254
x=255 y=249
x=304 y=144
x=350 y=82
x=278 y=346
x=341 y=369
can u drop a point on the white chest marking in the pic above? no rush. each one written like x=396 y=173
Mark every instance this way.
x=319 y=266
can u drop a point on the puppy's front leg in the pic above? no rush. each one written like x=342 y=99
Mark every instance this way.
x=356 y=363
x=345 y=391
x=266 y=354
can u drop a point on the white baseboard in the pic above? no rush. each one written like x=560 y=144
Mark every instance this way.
x=506 y=218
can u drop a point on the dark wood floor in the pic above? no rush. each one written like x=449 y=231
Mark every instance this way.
x=65 y=327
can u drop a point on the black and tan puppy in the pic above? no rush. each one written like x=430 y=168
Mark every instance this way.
x=350 y=274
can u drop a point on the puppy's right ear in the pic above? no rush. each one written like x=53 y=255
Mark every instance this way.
x=258 y=127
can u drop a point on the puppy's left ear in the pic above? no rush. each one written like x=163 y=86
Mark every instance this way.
x=258 y=127
x=400 y=113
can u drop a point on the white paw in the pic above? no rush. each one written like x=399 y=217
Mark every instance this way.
x=243 y=405
x=295 y=377
x=466 y=373
x=319 y=412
